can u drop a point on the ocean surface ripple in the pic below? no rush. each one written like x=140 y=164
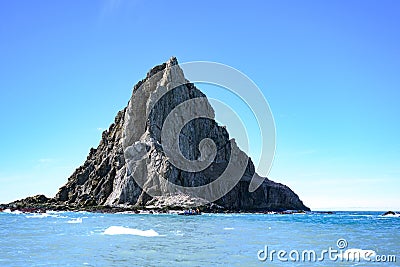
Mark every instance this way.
x=95 y=239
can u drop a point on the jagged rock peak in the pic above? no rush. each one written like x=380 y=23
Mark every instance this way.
x=117 y=174
x=173 y=61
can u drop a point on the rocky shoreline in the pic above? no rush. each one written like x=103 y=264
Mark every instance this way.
x=42 y=204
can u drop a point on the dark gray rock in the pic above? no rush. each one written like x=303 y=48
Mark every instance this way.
x=389 y=213
x=106 y=178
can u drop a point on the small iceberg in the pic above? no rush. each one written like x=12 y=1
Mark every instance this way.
x=120 y=230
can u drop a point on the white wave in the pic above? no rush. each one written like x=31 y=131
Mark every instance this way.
x=130 y=212
x=397 y=215
x=55 y=212
x=177 y=232
x=352 y=254
x=229 y=228
x=77 y=220
x=120 y=230
x=43 y=215
x=40 y=215
x=12 y=212
x=359 y=215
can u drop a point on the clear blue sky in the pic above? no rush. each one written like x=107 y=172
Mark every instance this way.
x=329 y=69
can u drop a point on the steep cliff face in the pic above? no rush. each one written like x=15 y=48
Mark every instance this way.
x=92 y=183
x=133 y=167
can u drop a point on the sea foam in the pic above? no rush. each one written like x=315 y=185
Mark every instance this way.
x=77 y=220
x=392 y=215
x=39 y=215
x=12 y=212
x=120 y=230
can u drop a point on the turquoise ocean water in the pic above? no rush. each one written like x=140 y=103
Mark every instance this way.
x=95 y=239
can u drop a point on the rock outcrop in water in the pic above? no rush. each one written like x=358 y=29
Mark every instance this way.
x=110 y=173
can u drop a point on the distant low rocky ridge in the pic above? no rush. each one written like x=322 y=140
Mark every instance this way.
x=107 y=181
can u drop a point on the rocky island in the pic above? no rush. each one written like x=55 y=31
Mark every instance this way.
x=116 y=177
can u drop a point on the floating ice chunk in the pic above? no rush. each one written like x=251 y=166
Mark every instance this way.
x=120 y=230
